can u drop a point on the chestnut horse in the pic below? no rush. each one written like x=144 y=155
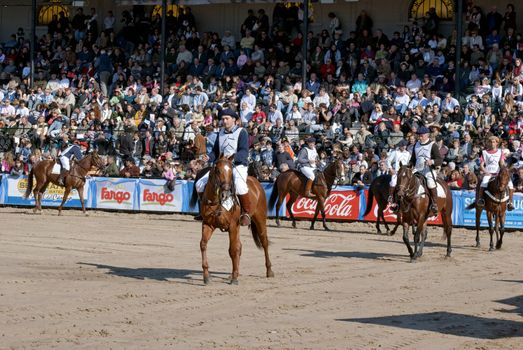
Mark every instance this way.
x=379 y=189
x=293 y=182
x=414 y=209
x=42 y=172
x=496 y=198
x=220 y=209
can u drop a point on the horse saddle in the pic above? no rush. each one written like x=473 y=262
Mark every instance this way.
x=423 y=189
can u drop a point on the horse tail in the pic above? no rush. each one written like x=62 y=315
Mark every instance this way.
x=255 y=230
x=370 y=201
x=29 y=184
x=274 y=195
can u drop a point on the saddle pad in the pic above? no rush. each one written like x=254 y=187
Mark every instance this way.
x=56 y=169
x=228 y=203
x=440 y=190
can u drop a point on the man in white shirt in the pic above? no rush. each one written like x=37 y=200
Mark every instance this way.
x=401 y=101
x=274 y=114
x=449 y=103
x=414 y=84
x=155 y=97
x=228 y=39
x=419 y=100
x=322 y=97
x=249 y=99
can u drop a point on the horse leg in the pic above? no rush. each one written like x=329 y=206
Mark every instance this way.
x=321 y=204
x=316 y=212
x=81 y=195
x=385 y=222
x=278 y=206
x=423 y=235
x=393 y=232
x=406 y=239
x=447 y=227
x=235 y=251
x=501 y=230
x=64 y=199
x=478 y=222
x=417 y=235
x=378 y=230
x=490 y=230
x=41 y=194
x=264 y=238
x=291 y=201
x=206 y=236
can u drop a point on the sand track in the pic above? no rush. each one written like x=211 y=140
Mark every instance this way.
x=134 y=281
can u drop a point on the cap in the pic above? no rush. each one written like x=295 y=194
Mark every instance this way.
x=229 y=112
x=402 y=143
x=423 y=130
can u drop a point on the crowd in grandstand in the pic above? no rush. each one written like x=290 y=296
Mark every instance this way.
x=365 y=92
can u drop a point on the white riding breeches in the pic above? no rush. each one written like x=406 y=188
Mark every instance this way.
x=393 y=180
x=487 y=177
x=431 y=180
x=239 y=174
x=65 y=163
x=308 y=172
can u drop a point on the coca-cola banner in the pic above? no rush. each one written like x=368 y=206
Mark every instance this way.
x=340 y=205
x=373 y=214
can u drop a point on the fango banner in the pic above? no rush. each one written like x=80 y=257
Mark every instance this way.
x=114 y=193
x=154 y=196
x=16 y=187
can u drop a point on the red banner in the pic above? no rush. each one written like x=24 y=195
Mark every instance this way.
x=341 y=205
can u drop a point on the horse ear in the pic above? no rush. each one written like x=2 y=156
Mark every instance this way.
x=401 y=164
x=231 y=157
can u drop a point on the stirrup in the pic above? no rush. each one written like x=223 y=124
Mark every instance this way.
x=480 y=202
x=434 y=209
x=510 y=206
x=242 y=217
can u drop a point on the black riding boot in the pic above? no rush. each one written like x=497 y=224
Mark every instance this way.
x=199 y=216
x=510 y=205
x=434 y=201
x=61 y=178
x=480 y=201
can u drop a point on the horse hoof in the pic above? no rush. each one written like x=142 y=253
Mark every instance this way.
x=311 y=228
x=478 y=245
x=60 y=214
x=206 y=280
x=326 y=228
x=413 y=259
x=270 y=274
x=491 y=249
x=234 y=282
x=498 y=246
x=447 y=256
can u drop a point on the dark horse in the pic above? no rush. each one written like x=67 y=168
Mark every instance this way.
x=42 y=172
x=379 y=189
x=415 y=209
x=293 y=182
x=217 y=213
x=496 y=207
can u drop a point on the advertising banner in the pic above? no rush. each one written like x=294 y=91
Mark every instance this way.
x=340 y=205
x=114 y=193
x=153 y=195
x=15 y=187
x=514 y=219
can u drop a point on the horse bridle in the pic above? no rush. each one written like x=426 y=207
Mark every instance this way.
x=218 y=185
x=409 y=189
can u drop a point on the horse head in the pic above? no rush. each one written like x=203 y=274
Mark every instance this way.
x=223 y=176
x=503 y=179
x=96 y=160
x=404 y=183
x=340 y=169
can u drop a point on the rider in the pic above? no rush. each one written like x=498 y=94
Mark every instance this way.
x=490 y=161
x=68 y=152
x=399 y=156
x=426 y=158
x=307 y=160
x=232 y=140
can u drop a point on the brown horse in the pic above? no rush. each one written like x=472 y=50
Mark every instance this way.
x=496 y=207
x=220 y=209
x=42 y=172
x=293 y=182
x=415 y=209
x=379 y=189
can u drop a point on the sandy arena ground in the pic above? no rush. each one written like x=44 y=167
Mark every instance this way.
x=124 y=281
